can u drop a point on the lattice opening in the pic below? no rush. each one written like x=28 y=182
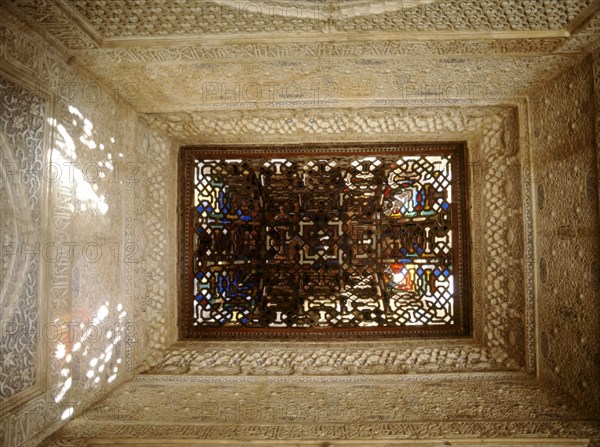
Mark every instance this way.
x=344 y=240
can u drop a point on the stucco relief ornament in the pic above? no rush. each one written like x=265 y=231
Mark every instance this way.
x=16 y=224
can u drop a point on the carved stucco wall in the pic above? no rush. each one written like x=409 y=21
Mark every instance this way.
x=247 y=55
x=126 y=18
x=565 y=156
x=139 y=221
x=72 y=145
x=240 y=410
x=496 y=168
x=291 y=401
x=22 y=153
x=154 y=293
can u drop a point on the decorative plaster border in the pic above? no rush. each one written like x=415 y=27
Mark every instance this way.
x=359 y=378
x=493 y=143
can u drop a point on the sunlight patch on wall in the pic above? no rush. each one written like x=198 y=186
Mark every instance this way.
x=91 y=344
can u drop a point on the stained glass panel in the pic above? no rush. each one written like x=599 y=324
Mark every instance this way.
x=339 y=241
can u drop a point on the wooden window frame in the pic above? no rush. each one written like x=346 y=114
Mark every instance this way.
x=188 y=155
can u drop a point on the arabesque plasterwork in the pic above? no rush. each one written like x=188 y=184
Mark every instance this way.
x=486 y=75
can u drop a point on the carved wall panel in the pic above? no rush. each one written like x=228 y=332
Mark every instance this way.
x=314 y=71
x=565 y=162
x=125 y=18
x=322 y=359
x=22 y=114
x=154 y=233
x=91 y=254
x=503 y=239
x=354 y=408
x=328 y=124
x=294 y=81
